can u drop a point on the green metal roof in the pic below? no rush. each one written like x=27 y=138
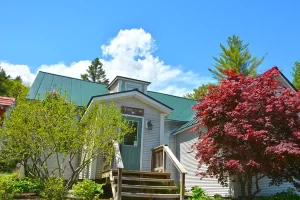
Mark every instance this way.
x=182 y=107
x=78 y=90
x=189 y=124
x=81 y=92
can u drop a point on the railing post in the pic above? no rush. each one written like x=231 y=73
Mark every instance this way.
x=152 y=161
x=182 y=185
x=119 y=184
x=163 y=160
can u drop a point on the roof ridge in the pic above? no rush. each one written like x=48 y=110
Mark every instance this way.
x=174 y=96
x=72 y=78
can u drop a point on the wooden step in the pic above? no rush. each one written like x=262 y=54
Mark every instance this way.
x=145 y=179
x=143 y=172
x=149 y=187
x=149 y=195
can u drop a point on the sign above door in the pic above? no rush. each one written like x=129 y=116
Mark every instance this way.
x=132 y=111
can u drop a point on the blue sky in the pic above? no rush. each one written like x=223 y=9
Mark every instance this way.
x=170 y=43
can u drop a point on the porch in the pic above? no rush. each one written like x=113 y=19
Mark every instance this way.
x=154 y=184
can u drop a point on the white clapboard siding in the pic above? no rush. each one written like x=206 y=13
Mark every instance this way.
x=52 y=165
x=85 y=173
x=186 y=156
x=151 y=138
x=170 y=140
x=266 y=189
x=99 y=160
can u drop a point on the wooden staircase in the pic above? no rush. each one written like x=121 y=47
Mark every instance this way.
x=156 y=184
x=145 y=185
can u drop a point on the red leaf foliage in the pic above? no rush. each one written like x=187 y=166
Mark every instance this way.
x=253 y=125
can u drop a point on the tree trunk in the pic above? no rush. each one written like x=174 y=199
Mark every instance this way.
x=243 y=186
x=249 y=185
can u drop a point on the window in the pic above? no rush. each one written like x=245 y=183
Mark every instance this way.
x=132 y=86
x=132 y=138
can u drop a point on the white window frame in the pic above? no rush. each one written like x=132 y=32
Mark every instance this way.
x=133 y=86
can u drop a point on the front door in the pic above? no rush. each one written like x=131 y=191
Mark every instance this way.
x=131 y=146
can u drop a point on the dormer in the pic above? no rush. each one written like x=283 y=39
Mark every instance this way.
x=120 y=84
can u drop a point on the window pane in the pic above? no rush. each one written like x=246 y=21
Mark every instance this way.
x=132 y=87
x=129 y=138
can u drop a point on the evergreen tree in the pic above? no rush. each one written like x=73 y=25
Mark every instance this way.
x=4 y=83
x=95 y=73
x=236 y=57
x=12 y=87
x=296 y=75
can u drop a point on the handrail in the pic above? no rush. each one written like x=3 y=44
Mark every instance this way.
x=165 y=150
x=175 y=161
x=118 y=156
x=120 y=167
x=158 y=148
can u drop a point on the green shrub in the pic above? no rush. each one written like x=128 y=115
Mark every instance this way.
x=54 y=189
x=87 y=189
x=290 y=194
x=199 y=194
x=28 y=185
x=217 y=197
x=8 y=166
x=6 y=186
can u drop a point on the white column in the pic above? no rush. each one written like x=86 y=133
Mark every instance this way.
x=162 y=128
x=92 y=174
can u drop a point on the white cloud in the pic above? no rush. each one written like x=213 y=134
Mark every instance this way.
x=73 y=70
x=15 y=70
x=128 y=54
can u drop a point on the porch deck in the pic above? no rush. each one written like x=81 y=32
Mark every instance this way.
x=155 y=184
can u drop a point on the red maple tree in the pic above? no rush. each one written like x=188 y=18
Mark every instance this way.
x=252 y=131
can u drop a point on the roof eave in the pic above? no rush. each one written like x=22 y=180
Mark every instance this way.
x=133 y=93
x=287 y=81
x=185 y=129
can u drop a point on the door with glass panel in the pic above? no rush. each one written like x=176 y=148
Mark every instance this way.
x=131 y=146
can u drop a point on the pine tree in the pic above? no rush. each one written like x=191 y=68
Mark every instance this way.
x=238 y=57
x=95 y=73
x=4 y=83
x=296 y=75
x=12 y=87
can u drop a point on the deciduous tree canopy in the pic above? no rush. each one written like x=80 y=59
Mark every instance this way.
x=197 y=93
x=253 y=130
x=52 y=132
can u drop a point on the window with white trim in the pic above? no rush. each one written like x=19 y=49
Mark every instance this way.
x=132 y=86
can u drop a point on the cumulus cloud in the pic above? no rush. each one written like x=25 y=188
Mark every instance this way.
x=15 y=70
x=129 y=54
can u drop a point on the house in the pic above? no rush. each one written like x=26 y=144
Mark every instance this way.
x=160 y=120
x=5 y=104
